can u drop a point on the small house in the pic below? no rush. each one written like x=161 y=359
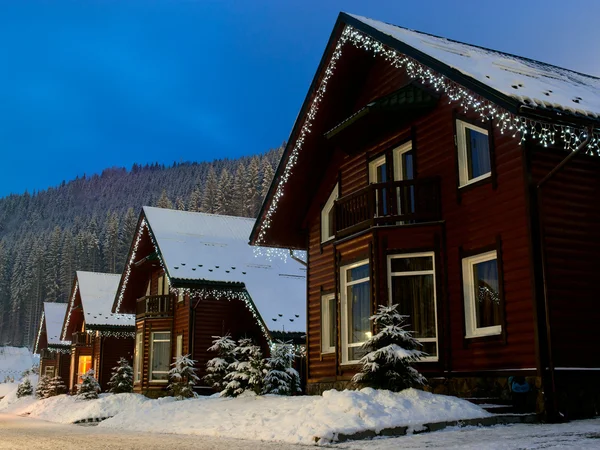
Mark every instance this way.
x=55 y=358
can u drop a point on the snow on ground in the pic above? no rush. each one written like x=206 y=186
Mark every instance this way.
x=14 y=361
x=10 y=398
x=6 y=388
x=580 y=434
x=296 y=419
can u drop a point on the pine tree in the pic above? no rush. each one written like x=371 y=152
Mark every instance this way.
x=268 y=174
x=88 y=388
x=194 y=203
x=217 y=368
x=42 y=387
x=183 y=378
x=247 y=372
x=121 y=380
x=391 y=351
x=52 y=265
x=129 y=224
x=253 y=188
x=111 y=241
x=210 y=192
x=223 y=197
x=239 y=193
x=179 y=204
x=67 y=264
x=164 y=201
x=281 y=377
x=24 y=389
x=55 y=386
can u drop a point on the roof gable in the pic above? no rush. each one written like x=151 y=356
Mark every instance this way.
x=54 y=317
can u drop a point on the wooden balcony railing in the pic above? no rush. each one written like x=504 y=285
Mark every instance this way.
x=47 y=354
x=155 y=306
x=394 y=202
x=81 y=339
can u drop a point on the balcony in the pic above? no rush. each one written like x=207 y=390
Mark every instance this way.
x=81 y=339
x=392 y=203
x=47 y=354
x=155 y=306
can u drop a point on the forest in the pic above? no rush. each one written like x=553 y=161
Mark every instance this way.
x=88 y=224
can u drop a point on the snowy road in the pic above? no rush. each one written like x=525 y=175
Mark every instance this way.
x=24 y=433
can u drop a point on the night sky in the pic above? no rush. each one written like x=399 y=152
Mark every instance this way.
x=86 y=85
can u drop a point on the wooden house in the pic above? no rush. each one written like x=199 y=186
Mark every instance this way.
x=192 y=276
x=462 y=184
x=99 y=338
x=55 y=358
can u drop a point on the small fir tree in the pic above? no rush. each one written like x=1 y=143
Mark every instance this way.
x=55 y=387
x=247 y=372
x=390 y=353
x=121 y=380
x=42 y=387
x=217 y=368
x=183 y=377
x=88 y=388
x=281 y=377
x=24 y=389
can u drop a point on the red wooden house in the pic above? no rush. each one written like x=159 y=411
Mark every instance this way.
x=430 y=174
x=191 y=276
x=99 y=338
x=54 y=352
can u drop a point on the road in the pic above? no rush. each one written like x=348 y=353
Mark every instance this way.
x=18 y=433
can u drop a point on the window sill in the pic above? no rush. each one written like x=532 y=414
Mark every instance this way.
x=328 y=352
x=483 y=179
x=159 y=381
x=496 y=331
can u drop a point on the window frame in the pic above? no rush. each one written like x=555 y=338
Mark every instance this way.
x=463 y=161
x=179 y=346
x=435 y=300
x=49 y=369
x=344 y=307
x=327 y=207
x=326 y=322
x=470 y=311
x=152 y=342
x=138 y=357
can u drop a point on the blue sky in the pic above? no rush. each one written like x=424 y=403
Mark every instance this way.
x=86 y=85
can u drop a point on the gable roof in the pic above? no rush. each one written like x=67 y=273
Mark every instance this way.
x=530 y=83
x=54 y=316
x=97 y=291
x=199 y=248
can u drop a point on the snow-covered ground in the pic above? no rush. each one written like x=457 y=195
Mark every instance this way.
x=14 y=361
x=269 y=418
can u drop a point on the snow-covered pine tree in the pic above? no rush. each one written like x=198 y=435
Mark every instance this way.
x=268 y=174
x=55 y=386
x=217 y=368
x=210 y=191
x=281 y=377
x=194 y=201
x=391 y=351
x=247 y=372
x=179 y=204
x=222 y=200
x=88 y=388
x=24 y=389
x=41 y=390
x=164 y=201
x=121 y=380
x=253 y=188
x=183 y=377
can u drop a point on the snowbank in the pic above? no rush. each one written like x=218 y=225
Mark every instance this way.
x=14 y=361
x=295 y=419
x=11 y=398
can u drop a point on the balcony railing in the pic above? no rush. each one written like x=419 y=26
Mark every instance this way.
x=47 y=354
x=81 y=339
x=395 y=202
x=155 y=306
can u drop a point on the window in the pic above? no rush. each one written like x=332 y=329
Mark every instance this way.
x=328 y=323
x=482 y=295
x=474 y=161
x=328 y=217
x=179 y=346
x=411 y=282
x=160 y=355
x=356 y=309
x=84 y=363
x=137 y=358
x=49 y=371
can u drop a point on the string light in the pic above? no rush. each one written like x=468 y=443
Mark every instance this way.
x=37 y=341
x=112 y=333
x=127 y=273
x=71 y=303
x=543 y=132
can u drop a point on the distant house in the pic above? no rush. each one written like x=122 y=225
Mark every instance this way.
x=99 y=338
x=191 y=276
x=438 y=176
x=54 y=352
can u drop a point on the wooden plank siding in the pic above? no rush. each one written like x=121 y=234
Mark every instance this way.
x=571 y=223
x=473 y=217
x=110 y=350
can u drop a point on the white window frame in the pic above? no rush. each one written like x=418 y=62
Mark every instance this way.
x=179 y=346
x=49 y=369
x=152 y=342
x=325 y=215
x=344 y=309
x=471 y=329
x=412 y=273
x=398 y=152
x=463 y=160
x=326 y=324
x=138 y=357
x=373 y=165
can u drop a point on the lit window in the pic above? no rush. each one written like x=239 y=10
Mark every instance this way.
x=412 y=288
x=356 y=309
x=328 y=323
x=474 y=161
x=328 y=217
x=482 y=295
x=137 y=359
x=84 y=364
x=160 y=355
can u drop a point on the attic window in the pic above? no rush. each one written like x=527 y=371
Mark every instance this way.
x=328 y=216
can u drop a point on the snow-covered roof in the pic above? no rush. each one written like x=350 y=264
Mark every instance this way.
x=198 y=247
x=54 y=316
x=531 y=83
x=97 y=291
